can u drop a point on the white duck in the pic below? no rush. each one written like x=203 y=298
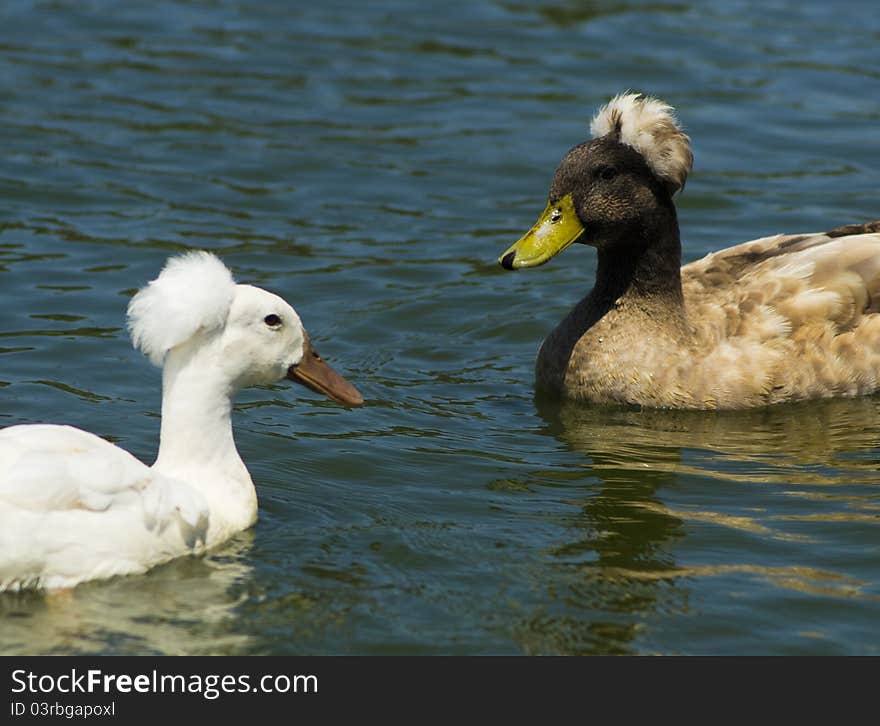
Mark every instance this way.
x=74 y=507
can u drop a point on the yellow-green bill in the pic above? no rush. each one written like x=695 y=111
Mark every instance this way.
x=556 y=229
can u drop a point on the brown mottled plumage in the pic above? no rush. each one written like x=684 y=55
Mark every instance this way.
x=782 y=318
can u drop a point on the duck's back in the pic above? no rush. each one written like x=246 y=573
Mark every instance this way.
x=76 y=507
x=786 y=318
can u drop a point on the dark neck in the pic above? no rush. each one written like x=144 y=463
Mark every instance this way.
x=648 y=269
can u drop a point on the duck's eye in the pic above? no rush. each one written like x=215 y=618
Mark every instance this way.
x=555 y=215
x=272 y=320
x=607 y=172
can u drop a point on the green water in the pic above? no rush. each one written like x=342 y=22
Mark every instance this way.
x=369 y=161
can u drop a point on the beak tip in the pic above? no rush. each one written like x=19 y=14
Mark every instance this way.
x=506 y=261
x=315 y=374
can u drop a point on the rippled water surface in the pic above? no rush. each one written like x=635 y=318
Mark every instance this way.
x=369 y=161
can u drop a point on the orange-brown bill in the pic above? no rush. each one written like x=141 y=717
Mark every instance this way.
x=314 y=373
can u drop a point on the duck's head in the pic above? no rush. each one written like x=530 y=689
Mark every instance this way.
x=249 y=334
x=611 y=189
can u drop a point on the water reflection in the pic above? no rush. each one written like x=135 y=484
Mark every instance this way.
x=659 y=475
x=576 y=12
x=837 y=433
x=187 y=607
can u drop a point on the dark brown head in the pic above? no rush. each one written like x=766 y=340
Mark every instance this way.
x=615 y=189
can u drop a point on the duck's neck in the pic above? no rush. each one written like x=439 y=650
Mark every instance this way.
x=646 y=270
x=196 y=443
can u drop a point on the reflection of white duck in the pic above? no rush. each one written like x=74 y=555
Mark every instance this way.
x=74 y=507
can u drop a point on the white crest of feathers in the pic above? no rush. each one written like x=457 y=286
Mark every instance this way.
x=192 y=294
x=650 y=127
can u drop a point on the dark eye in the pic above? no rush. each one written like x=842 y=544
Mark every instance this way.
x=607 y=172
x=272 y=320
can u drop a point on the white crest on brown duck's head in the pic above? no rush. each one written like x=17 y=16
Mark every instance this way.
x=649 y=126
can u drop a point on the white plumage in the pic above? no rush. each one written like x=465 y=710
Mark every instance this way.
x=74 y=507
x=192 y=294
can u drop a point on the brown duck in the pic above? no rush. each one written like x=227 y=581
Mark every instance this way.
x=782 y=318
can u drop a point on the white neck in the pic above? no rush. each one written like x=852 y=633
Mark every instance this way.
x=196 y=443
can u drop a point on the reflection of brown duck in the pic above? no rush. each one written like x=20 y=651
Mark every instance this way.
x=624 y=508
x=779 y=437
x=624 y=559
x=601 y=587
x=783 y=318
